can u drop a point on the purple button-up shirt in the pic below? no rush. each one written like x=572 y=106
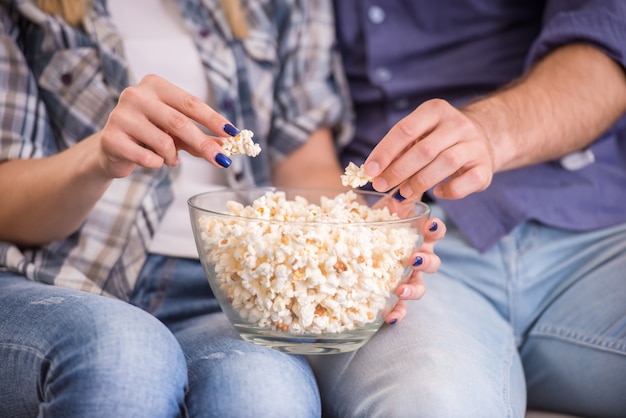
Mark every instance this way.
x=398 y=54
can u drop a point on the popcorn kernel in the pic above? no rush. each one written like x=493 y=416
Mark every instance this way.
x=289 y=277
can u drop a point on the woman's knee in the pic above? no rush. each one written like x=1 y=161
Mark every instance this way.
x=119 y=349
x=86 y=355
x=232 y=377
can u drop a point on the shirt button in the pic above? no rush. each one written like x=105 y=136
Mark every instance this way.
x=204 y=32
x=66 y=78
x=401 y=104
x=376 y=14
x=228 y=104
x=382 y=74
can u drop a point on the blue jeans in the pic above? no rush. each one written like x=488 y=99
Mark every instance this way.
x=68 y=353
x=537 y=321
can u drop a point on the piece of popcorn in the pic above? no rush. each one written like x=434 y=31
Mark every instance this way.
x=355 y=176
x=331 y=274
x=241 y=143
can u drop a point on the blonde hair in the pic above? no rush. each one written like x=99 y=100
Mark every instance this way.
x=235 y=17
x=73 y=11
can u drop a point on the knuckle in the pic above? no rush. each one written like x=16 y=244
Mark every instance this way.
x=129 y=94
x=206 y=147
x=480 y=177
x=150 y=79
x=419 y=181
x=428 y=153
x=146 y=159
x=407 y=129
x=393 y=173
x=191 y=102
x=177 y=121
x=452 y=158
x=163 y=142
x=436 y=104
x=115 y=118
x=465 y=126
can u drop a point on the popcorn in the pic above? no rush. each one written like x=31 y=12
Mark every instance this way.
x=303 y=268
x=241 y=143
x=355 y=176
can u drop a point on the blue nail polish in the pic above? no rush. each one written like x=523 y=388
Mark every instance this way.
x=398 y=196
x=433 y=227
x=418 y=261
x=223 y=160
x=230 y=129
x=393 y=321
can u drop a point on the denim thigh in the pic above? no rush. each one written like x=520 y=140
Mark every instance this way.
x=574 y=348
x=69 y=353
x=227 y=376
x=564 y=295
x=553 y=296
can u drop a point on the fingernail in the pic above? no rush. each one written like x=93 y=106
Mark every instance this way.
x=380 y=184
x=372 y=169
x=433 y=227
x=223 y=160
x=405 y=292
x=393 y=321
x=398 y=196
x=418 y=261
x=230 y=130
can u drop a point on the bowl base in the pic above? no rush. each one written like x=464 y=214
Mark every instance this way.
x=308 y=344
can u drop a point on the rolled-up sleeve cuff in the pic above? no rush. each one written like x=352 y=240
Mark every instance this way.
x=602 y=27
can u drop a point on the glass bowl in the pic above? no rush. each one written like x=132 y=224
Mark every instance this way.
x=307 y=271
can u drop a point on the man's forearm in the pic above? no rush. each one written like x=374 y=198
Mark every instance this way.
x=562 y=105
x=314 y=164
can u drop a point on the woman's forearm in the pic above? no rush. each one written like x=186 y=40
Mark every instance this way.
x=49 y=198
x=562 y=105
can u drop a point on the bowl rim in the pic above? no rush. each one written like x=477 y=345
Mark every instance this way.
x=423 y=212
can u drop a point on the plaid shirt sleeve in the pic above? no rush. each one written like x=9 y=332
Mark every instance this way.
x=60 y=84
x=283 y=81
x=311 y=91
x=57 y=86
x=24 y=131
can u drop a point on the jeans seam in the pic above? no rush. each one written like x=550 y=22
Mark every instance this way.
x=164 y=283
x=24 y=348
x=509 y=354
x=572 y=336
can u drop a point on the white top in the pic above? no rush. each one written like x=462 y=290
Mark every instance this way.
x=159 y=43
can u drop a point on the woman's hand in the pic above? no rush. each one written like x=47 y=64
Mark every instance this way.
x=152 y=121
x=423 y=261
x=436 y=145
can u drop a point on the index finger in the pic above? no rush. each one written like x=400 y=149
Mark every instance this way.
x=419 y=123
x=182 y=107
x=190 y=105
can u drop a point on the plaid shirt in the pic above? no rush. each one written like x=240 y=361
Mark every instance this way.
x=58 y=85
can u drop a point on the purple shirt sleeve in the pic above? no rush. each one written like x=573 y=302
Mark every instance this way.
x=600 y=23
x=399 y=54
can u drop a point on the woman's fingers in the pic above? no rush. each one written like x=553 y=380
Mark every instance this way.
x=397 y=314
x=153 y=120
x=177 y=114
x=434 y=230
x=413 y=289
x=422 y=261
x=189 y=105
